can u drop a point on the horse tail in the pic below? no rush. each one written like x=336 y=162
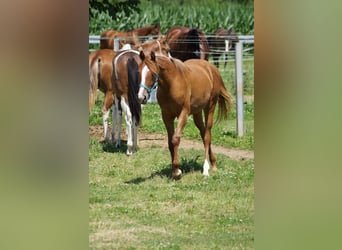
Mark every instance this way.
x=133 y=88
x=94 y=78
x=225 y=100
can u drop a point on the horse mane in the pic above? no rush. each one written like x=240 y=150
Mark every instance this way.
x=180 y=66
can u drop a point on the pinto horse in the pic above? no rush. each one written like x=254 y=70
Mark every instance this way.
x=131 y=36
x=218 y=46
x=100 y=71
x=185 y=88
x=186 y=43
x=126 y=86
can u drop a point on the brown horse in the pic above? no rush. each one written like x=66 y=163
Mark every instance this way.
x=131 y=36
x=192 y=87
x=217 y=44
x=186 y=43
x=100 y=71
x=126 y=86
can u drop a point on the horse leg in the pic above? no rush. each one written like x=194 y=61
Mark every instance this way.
x=135 y=135
x=170 y=127
x=215 y=59
x=129 y=124
x=198 y=119
x=105 y=115
x=113 y=120
x=209 y=120
x=225 y=58
x=182 y=119
x=107 y=103
x=117 y=114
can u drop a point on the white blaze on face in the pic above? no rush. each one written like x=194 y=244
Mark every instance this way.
x=144 y=72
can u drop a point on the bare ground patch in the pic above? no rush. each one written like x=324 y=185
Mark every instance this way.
x=148 y=140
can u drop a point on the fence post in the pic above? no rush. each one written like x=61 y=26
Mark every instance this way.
x=239 y=88
x=116 y=44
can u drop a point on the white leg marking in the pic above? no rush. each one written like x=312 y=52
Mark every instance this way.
x=105 y=116
x=206 y=168
x=113 y=120
x=117 y=124
x=129 y=122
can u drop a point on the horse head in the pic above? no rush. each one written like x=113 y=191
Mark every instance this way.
x=149 y=75
x=156 y=30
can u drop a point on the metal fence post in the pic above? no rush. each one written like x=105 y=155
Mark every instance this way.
x=239 y=88
x=116 y=44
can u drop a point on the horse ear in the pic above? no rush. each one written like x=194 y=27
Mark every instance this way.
x=142 y=55
x=153 y=56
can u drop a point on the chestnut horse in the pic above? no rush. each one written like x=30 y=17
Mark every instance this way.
x=131 y=36
x=186 y=43
x=100 y=71
x=218 y=46
x=185 y=88
x=126 y=86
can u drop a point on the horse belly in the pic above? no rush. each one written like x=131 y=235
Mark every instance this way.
x=198 y=103
x=173 y=105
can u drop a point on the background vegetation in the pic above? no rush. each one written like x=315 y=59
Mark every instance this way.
x=207 y=15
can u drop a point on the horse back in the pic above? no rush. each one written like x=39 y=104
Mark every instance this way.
x=106 y=39
x=119 y=75
x=205 y=81
x=100 y=61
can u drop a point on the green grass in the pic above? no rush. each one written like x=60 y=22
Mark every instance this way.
x=134 y=205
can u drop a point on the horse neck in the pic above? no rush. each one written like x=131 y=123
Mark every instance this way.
x=152 y=46
x=174 y=67
x=143 y=31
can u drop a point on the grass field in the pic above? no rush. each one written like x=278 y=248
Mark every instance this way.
x=134 y=205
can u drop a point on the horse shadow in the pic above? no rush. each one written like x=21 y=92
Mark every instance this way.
x=186 y=165
x=109 y=147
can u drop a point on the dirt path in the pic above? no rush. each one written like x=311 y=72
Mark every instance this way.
x=147 y=140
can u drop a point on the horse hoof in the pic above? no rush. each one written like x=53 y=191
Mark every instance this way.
x=177 y=175
x=117 y=144
x=206 y=173
x=130 y=151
